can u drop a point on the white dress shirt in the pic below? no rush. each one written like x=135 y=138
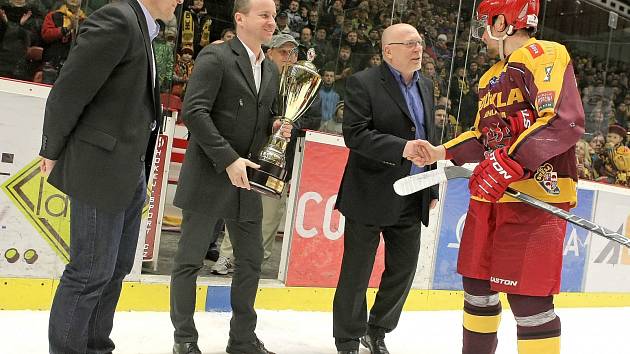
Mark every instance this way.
x=256 y=64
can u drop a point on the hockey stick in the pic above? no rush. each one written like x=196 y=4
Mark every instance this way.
x=412 y=184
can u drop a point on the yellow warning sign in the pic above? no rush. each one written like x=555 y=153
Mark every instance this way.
x=46 y=208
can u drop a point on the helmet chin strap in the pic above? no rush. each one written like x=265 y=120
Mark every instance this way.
x=501 y=40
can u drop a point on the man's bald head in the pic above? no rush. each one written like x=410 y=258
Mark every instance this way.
x=395 y=33
x=402 y=49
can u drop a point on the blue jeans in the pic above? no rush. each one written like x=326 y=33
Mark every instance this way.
x=102 y=251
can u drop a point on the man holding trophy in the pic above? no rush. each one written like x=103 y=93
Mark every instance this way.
x=228 y=111
x=283 y=51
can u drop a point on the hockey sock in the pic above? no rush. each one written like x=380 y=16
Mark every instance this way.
x=482 y=315
x=538 y=326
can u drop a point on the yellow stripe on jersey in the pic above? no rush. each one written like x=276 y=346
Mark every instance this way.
x=463 y=137
x=548 y=69
x=482 y=324
x=539 y=346
x=532 y=188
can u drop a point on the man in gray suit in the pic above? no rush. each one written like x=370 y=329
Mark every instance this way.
x=228 y=111
x=99 y=131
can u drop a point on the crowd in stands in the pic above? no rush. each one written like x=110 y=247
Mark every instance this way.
x=344 y=35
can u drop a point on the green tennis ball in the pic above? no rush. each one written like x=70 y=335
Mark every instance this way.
x=12 y=255
x=30 y=256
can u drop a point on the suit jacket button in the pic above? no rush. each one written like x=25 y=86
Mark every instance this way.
x=413 y=129
x=153 y=125
x=259 y=104
x=142 y=158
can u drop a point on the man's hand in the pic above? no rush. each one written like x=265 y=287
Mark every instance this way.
x=433 y=203
x=46 y=165
x=237 y=172
x=285 y=129
x=422 y=152
x=493 y=175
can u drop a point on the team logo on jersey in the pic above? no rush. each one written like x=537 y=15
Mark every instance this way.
x=548 y=71
x=547 y=179
x=495 y=137
x=535 y=50
x=545 y=100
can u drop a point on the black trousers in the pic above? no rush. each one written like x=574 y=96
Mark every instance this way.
x=246 y=238
x=402 y=246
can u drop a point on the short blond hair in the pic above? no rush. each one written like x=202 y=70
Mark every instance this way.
x=241 y=6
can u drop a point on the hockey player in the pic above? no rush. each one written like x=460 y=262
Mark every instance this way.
x=529 y=120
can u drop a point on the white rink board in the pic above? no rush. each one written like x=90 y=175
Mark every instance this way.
x=20 y=136
x=23 y=105
x=608 y=267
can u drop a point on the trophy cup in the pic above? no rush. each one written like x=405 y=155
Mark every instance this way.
x=298 y=86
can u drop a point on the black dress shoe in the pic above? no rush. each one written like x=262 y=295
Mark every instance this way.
x=354 y=351
x=255 y=347
x=376 y=344
x=213 y=252
x=212 y=255
x=186 y=348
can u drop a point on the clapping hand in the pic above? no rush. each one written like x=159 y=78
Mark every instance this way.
x=422 y=152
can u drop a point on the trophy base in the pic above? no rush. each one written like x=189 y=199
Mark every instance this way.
x=268 y=179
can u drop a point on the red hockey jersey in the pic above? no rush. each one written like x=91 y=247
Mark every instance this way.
x=538 y=76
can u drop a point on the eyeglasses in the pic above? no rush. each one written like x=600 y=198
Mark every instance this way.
x=408 y=44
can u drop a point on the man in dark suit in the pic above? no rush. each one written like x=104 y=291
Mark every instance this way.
x=282 y=51
x=101 y=120
x=228 y=111
x=389 y=109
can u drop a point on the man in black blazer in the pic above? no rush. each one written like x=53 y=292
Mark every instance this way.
x=388 y=110
x=228 y=111
x=101 y=120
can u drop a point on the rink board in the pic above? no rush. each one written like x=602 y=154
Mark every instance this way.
x=453 y=221
x=34 y=215
x=37 y=294
x=34 y=221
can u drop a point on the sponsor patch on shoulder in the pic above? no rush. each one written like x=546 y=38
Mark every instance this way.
x=535 y=50
x=545 y=100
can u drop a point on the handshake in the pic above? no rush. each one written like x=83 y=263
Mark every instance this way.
x=422 y=152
